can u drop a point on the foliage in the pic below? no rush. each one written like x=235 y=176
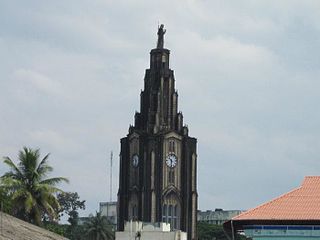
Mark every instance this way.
x=33 y=195
x=60 y=229
x=98 y=228
x=207 y=231
x=70 y=204
x=64 y=230
x=5 y=200
x=77 y=233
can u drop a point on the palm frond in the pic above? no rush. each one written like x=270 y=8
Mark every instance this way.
x=54 y=181
x=13 y=167
x=53 y=201
x=48 y=188
x=29 y=202
x=49 y=210
x=11 y=184
x=43 y=168
x=28 y=161
x=98 y=226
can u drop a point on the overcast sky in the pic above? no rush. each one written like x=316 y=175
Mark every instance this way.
x=247 y=73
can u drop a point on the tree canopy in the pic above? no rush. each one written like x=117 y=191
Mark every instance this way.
x=98 y=228
x=32 y=194
x=207 y=231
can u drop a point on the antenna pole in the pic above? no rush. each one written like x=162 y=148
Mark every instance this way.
x=111 y=156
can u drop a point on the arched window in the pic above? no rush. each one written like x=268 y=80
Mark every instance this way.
x=170 y=215
x=171 y=211
x=172 y=147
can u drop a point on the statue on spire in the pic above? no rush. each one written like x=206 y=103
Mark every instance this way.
x=161 y=32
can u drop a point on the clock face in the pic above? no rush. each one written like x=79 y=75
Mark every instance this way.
x=171 y=160
x=135 y=160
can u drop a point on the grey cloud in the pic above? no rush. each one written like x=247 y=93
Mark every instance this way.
x=246 y=72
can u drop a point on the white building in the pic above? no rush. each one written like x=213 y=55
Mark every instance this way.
x=218 y=216
x=109 y=209
x=149 y=231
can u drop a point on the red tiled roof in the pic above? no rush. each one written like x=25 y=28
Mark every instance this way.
x=302 y=203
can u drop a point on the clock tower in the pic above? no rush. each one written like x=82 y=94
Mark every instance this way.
x=158 y=158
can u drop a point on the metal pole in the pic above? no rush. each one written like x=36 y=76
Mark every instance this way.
x=232 y=229
x=111 y=176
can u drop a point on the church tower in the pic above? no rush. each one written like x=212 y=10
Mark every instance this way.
x=158 y=158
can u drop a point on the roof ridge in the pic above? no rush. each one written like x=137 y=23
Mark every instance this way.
x=267 y=203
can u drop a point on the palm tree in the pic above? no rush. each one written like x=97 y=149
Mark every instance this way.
x=98 y=228
x=33 y=195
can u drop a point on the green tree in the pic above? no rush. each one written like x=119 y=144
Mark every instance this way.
x=207 y=231
x=70 y=203
x=5 y=200
x=57 y=228
x=98 y=228
x=33 y=195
